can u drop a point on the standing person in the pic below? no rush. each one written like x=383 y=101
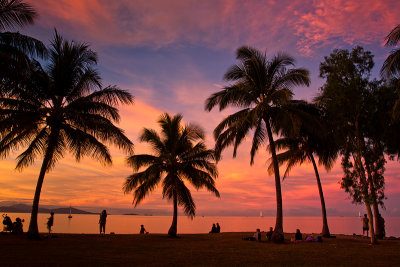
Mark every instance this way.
x=50 y=222
x=102 y=221
x=365 y=224
x=218 y=228
x=269 y=234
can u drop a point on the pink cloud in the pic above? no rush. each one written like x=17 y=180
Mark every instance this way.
x=303 y=25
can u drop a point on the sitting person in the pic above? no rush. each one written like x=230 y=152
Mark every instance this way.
x=298 y=236
x=269 y=234
x=218 y=230
x=309 y=238
x=17 y=226
x=255 y=237
x=142 y=230
x=213 y=229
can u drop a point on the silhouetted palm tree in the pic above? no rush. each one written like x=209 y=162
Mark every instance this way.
x=302 y=148
x=262 y=90
x=179 y=154
x=59 y=109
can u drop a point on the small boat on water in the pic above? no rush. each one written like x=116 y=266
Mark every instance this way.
x=69 y=216
x=261 y=214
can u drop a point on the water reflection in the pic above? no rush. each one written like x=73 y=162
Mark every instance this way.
x=126 y=224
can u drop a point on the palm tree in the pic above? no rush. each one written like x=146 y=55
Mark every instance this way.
x=179 y=154
x=302 y=148
x=59 y=109
x=262 y=90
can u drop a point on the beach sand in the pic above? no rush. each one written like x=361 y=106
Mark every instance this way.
x=226 y=249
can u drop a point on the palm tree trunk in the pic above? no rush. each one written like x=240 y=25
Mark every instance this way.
x=325 y=228
x=173 y=229
x=33 y=231
x=277 y=236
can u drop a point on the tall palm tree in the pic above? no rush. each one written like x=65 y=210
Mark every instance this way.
x=301 y=149
x=179 y=154
x=59 y=109
x=262 y=90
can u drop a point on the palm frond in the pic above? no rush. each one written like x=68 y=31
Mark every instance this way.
x=15 y=13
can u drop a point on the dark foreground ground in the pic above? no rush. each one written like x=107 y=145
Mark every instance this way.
x=226 y=249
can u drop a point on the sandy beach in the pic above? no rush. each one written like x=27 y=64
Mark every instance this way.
x=226 y=249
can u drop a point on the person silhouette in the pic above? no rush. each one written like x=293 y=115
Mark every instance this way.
x=102 y=221
x=365 y=224
x=50 y=222
x=142 y=230
x=218 y=229
x=213 y=229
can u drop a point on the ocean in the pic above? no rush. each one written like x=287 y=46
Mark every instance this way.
x=130 y=224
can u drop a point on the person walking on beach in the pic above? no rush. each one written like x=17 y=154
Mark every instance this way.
x=50 y=222
x=102 y=221
x=365 y=224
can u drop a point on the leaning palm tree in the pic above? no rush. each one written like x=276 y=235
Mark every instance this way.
x=262 y=90
x=61 y=108
x=303 y=148
x=179 y=154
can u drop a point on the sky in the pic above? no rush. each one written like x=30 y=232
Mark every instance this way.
x=171 y=55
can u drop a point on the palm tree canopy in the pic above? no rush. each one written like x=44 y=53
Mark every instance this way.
x=391 y=66
x=262 y=90
x=179 y=154
x=15 y=13
x=64 y=103
x=314 y=138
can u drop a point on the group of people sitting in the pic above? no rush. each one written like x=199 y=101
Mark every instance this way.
x=257 y=235
x=13 y=227
x=215 y=229
x=310 y=238
x=298 y=237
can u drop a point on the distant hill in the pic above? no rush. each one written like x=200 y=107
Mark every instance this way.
x=22 y=208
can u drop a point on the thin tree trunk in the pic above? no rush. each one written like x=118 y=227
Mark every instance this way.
x=379 y=232
x=371 y=223
x=277 y=235
x=325 y=228
x=173 y=229
x=33 y=231
x=363 y=180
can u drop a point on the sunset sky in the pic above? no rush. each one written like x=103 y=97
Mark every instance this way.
x=171 y=55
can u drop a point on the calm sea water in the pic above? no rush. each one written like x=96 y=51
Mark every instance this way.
x=128 y=224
